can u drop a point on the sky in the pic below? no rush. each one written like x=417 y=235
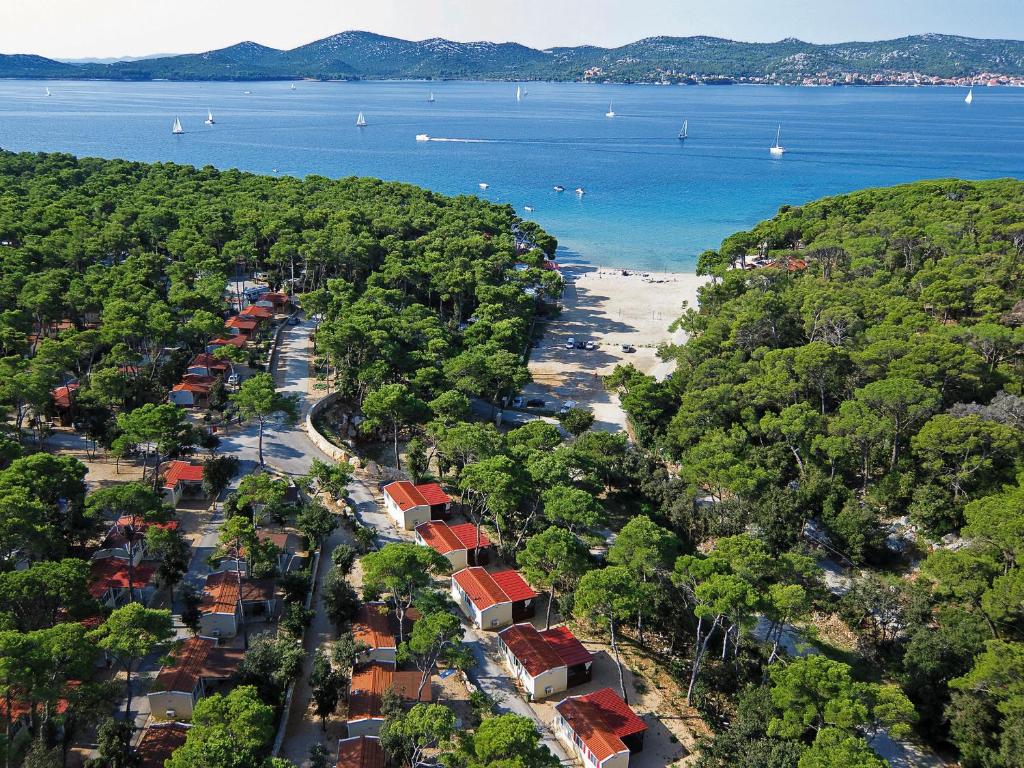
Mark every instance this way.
x=103 y=28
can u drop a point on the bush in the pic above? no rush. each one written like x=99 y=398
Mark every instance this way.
x=295 y=585
x=295 y=620
x=344 y=557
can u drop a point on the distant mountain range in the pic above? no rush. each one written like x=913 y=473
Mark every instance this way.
x=364 y=55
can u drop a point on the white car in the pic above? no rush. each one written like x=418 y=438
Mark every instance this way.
x=233 y=380
x=567 y=406
x=591 y=345
x=570 y=343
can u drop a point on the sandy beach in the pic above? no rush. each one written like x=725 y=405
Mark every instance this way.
x=610 y=308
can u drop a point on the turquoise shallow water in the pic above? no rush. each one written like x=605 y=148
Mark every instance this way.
x=651 y=201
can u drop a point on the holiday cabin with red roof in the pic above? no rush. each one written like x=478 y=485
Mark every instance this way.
x=181 y=478
x=458 y=543
x=196 y=669
x=126 y=533
x=205 y=364
x=372 y=628
x=158 y=743
x=360 y=752
x=63 y=398
x=366 y=692
x=109 y=579
x=600 y=728
x=227 y=601
x=546 y=662
x=410 y=505
x=493 y=600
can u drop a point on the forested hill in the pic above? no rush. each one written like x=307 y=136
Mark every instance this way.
x=655 y=59
x=869 y=369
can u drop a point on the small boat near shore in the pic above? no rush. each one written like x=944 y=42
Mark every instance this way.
x=683 y=133
x=176 y=129
x=559 y=188
x=580 y=191
x=209 y=117
x=483 y=185
x=776 y=149
x=430 y=98
x=422 y=137
x=360 y=121
x=610 y=112
x=969 y=98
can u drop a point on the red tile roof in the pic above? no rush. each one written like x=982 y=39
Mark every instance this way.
x=222 y=591
x=244 y=323
x=372 y=626
x=444 y=538
x=229 y=341
x=568 y=648
x=276 y=298
x=195 y=659
x=369 y=684
x=532 y=651
x=158 y=743
x=62 y=395
x=112 y=573
x=601 y=719
x=198 y=378
x=189 y=386
x=260 y=313
x=513 y=585
x=182 y=471
x=204 y=360
x=405 y=495
x=433 y=493
x=487 y=589
x=360 y=752
x=116 y=535
x=20 y=708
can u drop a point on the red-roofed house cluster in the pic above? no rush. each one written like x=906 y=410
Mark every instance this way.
x=545 y=663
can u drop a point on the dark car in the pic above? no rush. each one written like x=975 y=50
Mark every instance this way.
x=581 y=345
x=534 y=403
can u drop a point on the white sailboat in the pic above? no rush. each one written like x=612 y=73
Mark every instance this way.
x=519 y=93
x=360 y=121
x=209 y=118
x=682 y=132
x=610 y=112
x=430 y=98
x=47 y=91
x=176 y=129
x=777 y=150
x=970 y=95
x=292 y=88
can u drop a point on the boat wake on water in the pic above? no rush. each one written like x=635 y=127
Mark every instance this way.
x=460 y=141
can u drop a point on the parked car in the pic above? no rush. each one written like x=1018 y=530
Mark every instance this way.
x=260 y=277
x=233 y=380
x=581 y=344
x=567 y=406
x=535 y=403
x=518 y=401
x=591 y=345
x=628 y=348
x=570 y=343
x=294 y=320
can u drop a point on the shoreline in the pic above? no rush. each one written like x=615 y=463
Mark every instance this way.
x=613 y=308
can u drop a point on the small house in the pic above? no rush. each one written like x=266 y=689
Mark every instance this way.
x=242 y=326
x=410 y=505
x=493 y=600
x=367 y=689
x=459 y=543
x=278 y=301
x=197 y=667
x=238 y=342
x=372 y=628
x=360 y=752
x=600 y=728
x=126 y=538
x=158 y=743
x=261 y=315
x=63 y=398
x=182 y=478
x=545 y=663
x=205 y=364
x=228 y=601
x=192 y=391
x=115 y=582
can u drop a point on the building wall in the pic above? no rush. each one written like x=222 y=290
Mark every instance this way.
x=496 y=617
x=369 y=727
x=182 y=397
x=218 y=625
x=458 y=558
x=181 y=703
x=553 y=678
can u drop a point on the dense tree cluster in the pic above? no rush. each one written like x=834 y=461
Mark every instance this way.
x=864 y=371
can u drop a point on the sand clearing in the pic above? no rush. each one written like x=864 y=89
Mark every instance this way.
x=610 y=308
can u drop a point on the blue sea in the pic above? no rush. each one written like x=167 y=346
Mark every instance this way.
x=651 y=202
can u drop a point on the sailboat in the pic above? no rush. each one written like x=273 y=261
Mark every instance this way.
x=209 y=118
x=360 y=121
x=970 y=95
x=483 y=185
x=47 y=91
x=610 y=112
x=176 y=129
x=777 y=150
x=430 y=98
x=682 y=132
x=292 y=88
x=519 y=93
